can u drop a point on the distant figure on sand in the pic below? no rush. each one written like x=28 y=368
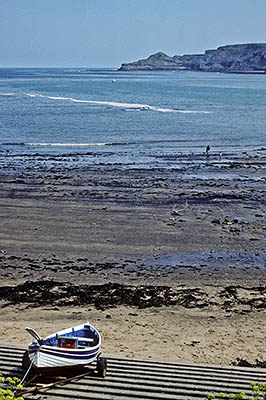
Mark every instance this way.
x=208 y=149
x=220 y=155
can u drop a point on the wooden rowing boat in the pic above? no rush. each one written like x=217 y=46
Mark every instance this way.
x=68 y=348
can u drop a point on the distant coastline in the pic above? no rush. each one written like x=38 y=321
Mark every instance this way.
x=249 y=58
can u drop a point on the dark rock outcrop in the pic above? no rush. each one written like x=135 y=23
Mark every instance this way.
x=245 y=58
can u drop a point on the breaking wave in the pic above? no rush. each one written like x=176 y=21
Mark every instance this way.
x=66 y=144
x=127 y=106
x=7 y=94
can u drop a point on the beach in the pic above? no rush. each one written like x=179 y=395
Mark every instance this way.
x=168 y=264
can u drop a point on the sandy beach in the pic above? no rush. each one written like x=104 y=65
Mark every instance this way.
x=167 y=264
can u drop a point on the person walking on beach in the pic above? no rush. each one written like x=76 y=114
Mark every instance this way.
x=208 y=150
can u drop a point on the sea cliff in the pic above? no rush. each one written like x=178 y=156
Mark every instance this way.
x=245 y=58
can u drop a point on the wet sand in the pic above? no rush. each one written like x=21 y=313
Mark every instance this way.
x=167 y=264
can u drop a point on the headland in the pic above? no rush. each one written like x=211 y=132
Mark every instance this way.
x=237 y=58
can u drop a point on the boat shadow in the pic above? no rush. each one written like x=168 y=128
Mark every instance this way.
x=47 y=377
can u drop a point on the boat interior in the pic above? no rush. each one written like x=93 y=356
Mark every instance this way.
x=74 y=339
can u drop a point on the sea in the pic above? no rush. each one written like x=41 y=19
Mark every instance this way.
x=152 y=119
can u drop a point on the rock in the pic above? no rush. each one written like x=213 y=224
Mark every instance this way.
x=227 y=222
x=235 y=229
x=249 y=57
x=175 y=212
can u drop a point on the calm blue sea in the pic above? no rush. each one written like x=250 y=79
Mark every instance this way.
x=105 y=117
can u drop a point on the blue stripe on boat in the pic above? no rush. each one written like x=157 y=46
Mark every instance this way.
x=71 y=356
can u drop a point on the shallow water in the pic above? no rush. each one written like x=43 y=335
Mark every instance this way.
x=209 y=259
x=147 y=119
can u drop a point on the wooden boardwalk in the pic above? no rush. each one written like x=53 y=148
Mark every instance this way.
x=142 y=380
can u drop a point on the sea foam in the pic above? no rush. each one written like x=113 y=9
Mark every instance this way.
x=7 y=94
x=65 y=144
x=127 y=106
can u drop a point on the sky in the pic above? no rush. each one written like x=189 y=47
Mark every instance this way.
x=106 y=33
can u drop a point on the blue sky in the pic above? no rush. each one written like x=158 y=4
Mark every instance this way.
x=106 y=33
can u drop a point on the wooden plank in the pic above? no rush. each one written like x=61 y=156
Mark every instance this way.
x=12 y=348
x=142 y=379
x=189 y=367
x=182 y=365
x=178 y=382
x=258 y=375
x=122 y=394
x=151 y=389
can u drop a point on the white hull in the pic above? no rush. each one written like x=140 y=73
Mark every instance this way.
x=52 y=356
x=45 y=357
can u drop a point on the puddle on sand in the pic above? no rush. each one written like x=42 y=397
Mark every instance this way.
x=205 y=259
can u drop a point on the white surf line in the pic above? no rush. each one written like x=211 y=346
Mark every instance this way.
x=7 y=94
x=121 y=105
x=68 y=144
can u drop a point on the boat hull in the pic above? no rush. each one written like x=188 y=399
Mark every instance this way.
x=45 y=357
x=64 y=350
